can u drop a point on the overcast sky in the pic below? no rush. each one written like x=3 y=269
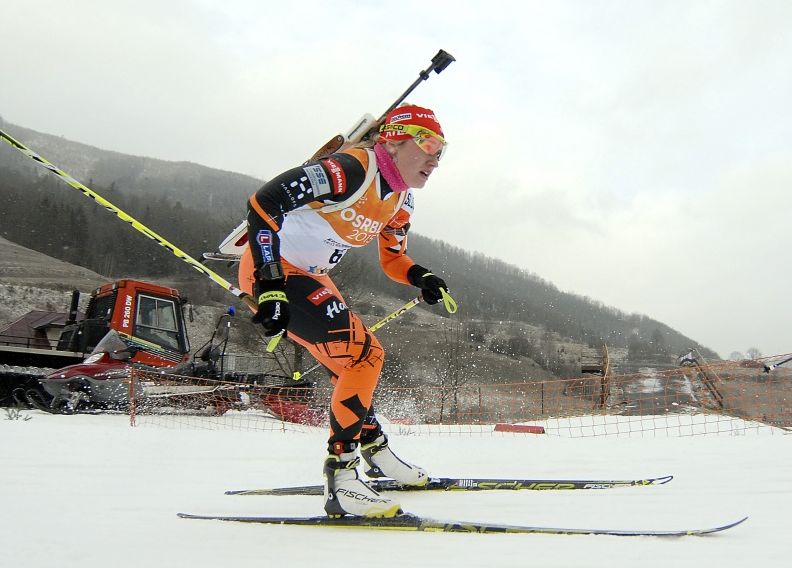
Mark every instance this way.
x=637 y=153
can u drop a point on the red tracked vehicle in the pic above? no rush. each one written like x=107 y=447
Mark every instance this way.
x=126 y=322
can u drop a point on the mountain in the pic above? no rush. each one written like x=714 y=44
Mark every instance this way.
x=34 y=281
x=24 y=267
x=195 y=186
x=533 y=318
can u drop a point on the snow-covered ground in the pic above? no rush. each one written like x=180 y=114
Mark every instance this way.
x=91 y=491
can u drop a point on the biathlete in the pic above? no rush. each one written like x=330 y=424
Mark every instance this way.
x=300 y=225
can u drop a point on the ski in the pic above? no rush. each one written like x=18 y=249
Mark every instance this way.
x=410 y=522
x=473 y=484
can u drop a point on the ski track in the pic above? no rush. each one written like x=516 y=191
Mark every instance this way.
x=92 y=491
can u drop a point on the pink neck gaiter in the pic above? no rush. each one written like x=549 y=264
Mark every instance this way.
x=388 y=169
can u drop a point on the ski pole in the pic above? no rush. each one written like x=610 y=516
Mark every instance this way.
x=214 y=277
x=367 y=126
x=768 y=368
x=447 y=300
x=397 y=313
x=412 y=303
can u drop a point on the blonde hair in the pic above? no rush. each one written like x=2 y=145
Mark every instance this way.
x=371 y=141
x=365 y=143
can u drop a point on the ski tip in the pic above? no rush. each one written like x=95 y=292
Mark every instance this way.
x=705 y=532
x=663 y=480
x=735 y=523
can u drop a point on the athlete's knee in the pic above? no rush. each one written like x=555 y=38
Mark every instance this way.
x=365 y=353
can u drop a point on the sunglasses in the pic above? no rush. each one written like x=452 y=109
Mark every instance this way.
x=428 y=141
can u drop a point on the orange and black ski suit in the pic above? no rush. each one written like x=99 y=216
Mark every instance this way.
x=308 y=218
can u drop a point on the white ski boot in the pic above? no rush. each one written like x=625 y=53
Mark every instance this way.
x=346 y=494
x=384 y=463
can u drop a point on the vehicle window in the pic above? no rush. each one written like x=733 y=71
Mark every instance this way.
x=156 y=321
x=103 y=307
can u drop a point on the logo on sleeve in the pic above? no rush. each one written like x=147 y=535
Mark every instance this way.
x=264 y=240
x=317 y=179
x=337 y=175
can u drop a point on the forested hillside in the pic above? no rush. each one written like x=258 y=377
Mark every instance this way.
x=488 y=289
x=195 y=186
x=43 y=213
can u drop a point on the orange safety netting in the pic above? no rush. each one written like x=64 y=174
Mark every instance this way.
x=692 y=399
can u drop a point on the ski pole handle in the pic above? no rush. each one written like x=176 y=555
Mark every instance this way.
x=448 y=301
x=273 y=343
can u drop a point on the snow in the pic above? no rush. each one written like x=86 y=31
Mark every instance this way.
x=89 y=490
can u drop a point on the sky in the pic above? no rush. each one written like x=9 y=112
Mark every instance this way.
x=112 y=498
x=635 y=153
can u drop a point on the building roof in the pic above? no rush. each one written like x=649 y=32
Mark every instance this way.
x=31 y=329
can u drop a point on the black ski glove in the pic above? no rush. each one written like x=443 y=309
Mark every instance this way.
x=273 y=305
x=429 y=284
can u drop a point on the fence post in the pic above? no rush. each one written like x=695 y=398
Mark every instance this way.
x=132 y=401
